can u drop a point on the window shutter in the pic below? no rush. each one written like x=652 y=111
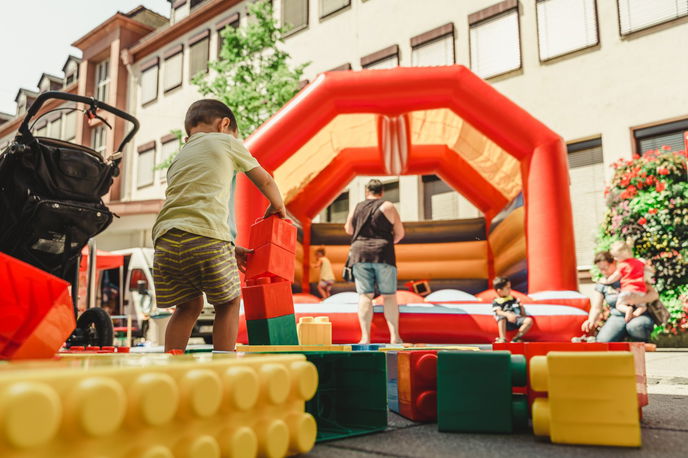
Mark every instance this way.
x=565 y=26
x=640 y=14
x=495 y=45
x=198 y=57
x=173 y=71
x=437 y=52
x=674 y=140
x=145 y=171
x=294 y=14
x=330 y=6
x=149 y=84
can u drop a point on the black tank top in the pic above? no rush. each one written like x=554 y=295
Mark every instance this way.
x=375 y=241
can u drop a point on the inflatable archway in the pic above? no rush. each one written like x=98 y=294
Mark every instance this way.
x=408 y=121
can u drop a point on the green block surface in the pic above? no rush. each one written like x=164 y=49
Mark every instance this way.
x=474 y=391
x=352 y=394
x=280 y=330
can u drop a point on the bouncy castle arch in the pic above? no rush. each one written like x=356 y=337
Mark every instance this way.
x=408 y=121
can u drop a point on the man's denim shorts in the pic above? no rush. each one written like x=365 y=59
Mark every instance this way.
x=367 y=274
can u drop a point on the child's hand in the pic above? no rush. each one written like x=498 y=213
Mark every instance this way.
x=281 y=212
x=241 y=254
x=511 y=316
x=629 y=315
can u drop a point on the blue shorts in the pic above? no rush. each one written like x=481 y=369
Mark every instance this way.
x=367 y=274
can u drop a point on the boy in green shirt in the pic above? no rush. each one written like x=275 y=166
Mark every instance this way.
x=193 y=234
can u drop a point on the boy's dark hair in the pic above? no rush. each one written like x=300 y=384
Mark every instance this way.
x=206 y=111
x=374 y=186
x=603 y=256
x=501 y=282
x=320 y=251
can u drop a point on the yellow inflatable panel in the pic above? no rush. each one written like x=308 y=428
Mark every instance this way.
x=508 y=231
x=452 y=251
x=591 y=398
x=510 y=256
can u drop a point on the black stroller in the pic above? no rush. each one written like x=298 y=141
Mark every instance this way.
x=51 y=203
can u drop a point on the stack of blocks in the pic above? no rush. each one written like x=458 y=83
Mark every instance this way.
x=268 y=301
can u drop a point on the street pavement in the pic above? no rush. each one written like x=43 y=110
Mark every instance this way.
x=664 y=423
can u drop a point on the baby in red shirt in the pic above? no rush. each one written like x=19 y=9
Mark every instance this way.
x=631 y=272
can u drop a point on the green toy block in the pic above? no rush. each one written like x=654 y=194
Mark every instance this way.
x=474 y=392
x=352 y=394
x=280 y=330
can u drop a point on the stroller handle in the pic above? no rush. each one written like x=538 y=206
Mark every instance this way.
x=41 y=99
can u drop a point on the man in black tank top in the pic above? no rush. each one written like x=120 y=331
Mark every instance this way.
x=375 y=226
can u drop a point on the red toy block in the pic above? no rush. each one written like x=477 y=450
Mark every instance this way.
x=271 y=260
x=638 y=351
x=417 y=379
x=275 y=230
x=267 y=298
x=36 y=313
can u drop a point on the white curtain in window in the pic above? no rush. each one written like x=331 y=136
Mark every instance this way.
x=294 y=14
x=173 y=71
x=638 y=14
x=389 y=62
x=149 y=84
x=198 y=57
x=437 y=52
x=145 y=172
x=330 y=6
x=565 y=26
x=495 y=45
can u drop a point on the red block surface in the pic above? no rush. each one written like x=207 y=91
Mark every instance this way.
x=36 y=314
x=271 y=260
x=530 y=349
x=275 y=230
x=417 y=379
x=267 y=298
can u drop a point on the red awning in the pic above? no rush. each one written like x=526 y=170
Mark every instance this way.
x=104 y=260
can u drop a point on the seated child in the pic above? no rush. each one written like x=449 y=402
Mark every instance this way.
x=326 y=274
x=631 y=272
x=509 y=312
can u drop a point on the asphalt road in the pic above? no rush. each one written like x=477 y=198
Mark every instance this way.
x=664 y=424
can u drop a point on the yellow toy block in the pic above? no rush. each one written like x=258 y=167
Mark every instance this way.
x=290 y=348
x=314 y=331
x=591 y=398
x=414 y=347
x=160 y=406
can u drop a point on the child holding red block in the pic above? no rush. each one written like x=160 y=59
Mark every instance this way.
x=194 y=232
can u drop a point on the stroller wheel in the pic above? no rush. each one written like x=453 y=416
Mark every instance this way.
x=96 y=326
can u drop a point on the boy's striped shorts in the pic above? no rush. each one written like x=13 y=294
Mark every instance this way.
x=187 y=265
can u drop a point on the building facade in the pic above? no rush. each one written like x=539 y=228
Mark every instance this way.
x=607 y=75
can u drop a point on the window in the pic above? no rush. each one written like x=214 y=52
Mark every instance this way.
x=170 y=145
x=98 y=139
x=495 y=44
x=102 y=80
x=587 y=181
x=385 y=58
x=145 y=167
x=636 y=15
x=338 y=210
x=231 y=21
x=42 y=129
x=70 y=126
x=174 y=60
x=55 y=128
x=391 y=191
x=565 y=26
x=673 y=134
x=294 y=14
x=180 y=11
x=441 y=202
x=149 y=81
x=433 y=48
x=195 y=3
x=328 y=7
x=199 y=49
x=69 y=79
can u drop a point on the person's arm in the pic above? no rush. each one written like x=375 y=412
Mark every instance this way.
x=613 y=278
x=349 y=226
x=391 y=213
x=267 y=186
x=650 y=296
x=523 y=310
x=317 y=264
x=595 y=310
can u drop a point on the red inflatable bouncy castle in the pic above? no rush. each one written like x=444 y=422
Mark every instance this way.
x=409 y=121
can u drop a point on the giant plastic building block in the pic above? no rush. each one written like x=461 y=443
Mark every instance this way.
x=474 y=392
x=275 y=230
x=271 y=261
x=351 y=399
x=36 y=313
x=531 y=349
x=267 y=298
x=591 y=398
x=273 y=331
x=412 y=384
x=121 y=407
x=291 y=348
x=314 y=331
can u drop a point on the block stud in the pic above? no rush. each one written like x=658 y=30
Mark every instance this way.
x=202 y=391
x=273 y=438
x=30 y=414
x=241 y=442
x=303 y=431
x=305 y=377
x=154 y=397
x=538 y=373
x=97 y=405
x=241 y=387
x=541 y=417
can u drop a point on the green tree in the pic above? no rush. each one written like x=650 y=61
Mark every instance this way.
x=252 y=75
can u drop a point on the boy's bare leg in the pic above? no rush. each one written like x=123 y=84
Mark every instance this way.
x=501 y=326
x=391 y=309
x=181 y=324
x=627 y=310
x=322 y=291
x=328 y=291
x=639 y=310
x=365 y=316
x=525 y=327
x=226 y=325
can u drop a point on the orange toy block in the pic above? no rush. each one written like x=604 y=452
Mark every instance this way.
x=267 y=298
x=271 y=260
x=275 y=230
